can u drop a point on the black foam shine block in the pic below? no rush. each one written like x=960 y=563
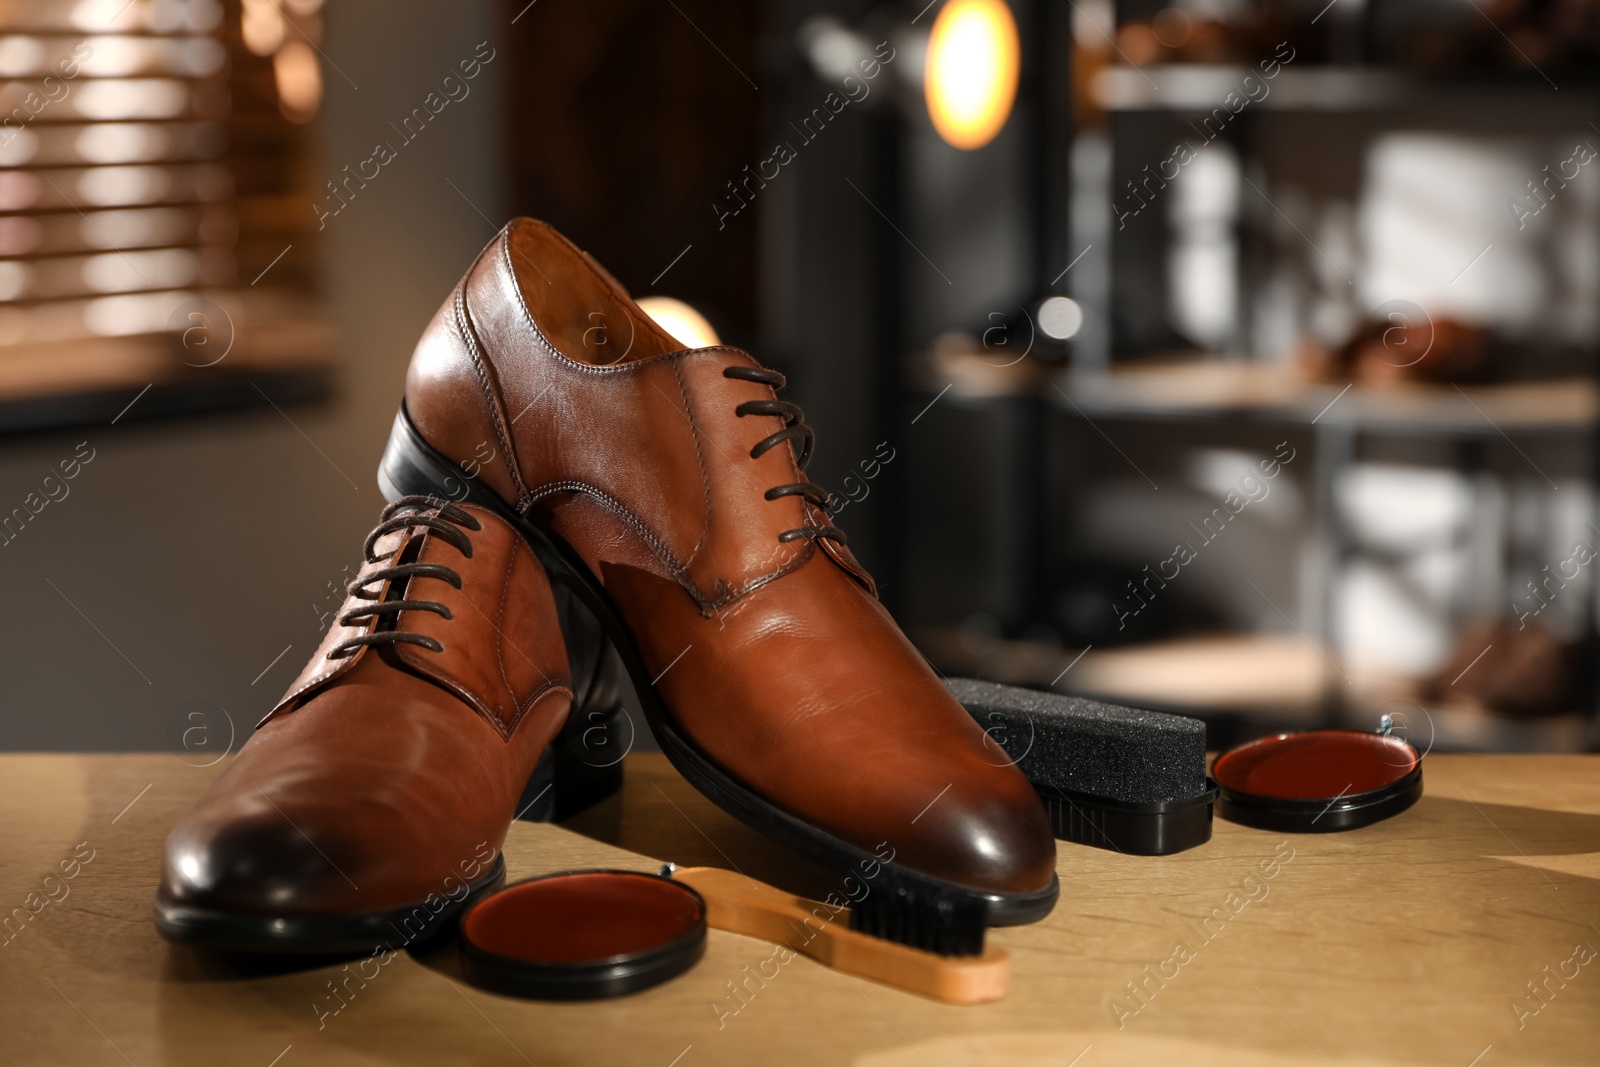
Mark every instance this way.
x=1110 y=776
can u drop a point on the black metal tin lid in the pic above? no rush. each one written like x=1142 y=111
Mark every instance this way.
x=1319 y=781
x=582 y=935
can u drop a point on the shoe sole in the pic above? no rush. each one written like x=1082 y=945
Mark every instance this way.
x=415 y=926
x=411 y=466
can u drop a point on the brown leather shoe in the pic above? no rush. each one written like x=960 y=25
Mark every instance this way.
x=665 y=486
x=371 y=803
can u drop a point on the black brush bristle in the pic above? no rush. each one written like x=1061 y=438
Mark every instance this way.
x=947 y=921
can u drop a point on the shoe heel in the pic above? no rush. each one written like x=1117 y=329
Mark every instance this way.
x=408 y=468
x=583 y=765
x=580 y=768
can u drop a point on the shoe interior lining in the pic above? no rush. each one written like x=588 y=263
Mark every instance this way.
x=579 y=307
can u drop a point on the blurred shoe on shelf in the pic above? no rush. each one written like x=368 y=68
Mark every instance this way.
x=1517 y=670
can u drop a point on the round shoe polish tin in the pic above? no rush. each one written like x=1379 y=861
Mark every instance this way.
x=582 y=935
x=1318 y=781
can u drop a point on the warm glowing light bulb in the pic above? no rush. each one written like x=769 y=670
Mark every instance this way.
x=970 y=78
x=687 y=326
x=299 y=80
x=262 y=26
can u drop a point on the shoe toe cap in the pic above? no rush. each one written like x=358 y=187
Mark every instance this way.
x=261 y=865
x=991 y=836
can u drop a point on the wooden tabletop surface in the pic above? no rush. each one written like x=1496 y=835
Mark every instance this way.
x=1413 y=941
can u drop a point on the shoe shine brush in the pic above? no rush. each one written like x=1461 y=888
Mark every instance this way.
x=743 y=905
x=1112 y=777
x=921 y=916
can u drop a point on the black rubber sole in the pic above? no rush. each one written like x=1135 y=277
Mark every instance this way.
x=415 y=926
x=411 y=466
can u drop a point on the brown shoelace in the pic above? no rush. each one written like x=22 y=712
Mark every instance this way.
x=795 y=428
x=442 y=518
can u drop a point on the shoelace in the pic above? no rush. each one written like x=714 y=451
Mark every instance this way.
x=442 y=518
x=795 y=428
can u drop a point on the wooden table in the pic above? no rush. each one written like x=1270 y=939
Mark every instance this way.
x=1408 y=942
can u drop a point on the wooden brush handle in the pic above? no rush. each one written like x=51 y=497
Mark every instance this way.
x=742 y=905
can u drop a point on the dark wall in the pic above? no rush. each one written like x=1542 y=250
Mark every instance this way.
x=626 y=137
x=626 y=121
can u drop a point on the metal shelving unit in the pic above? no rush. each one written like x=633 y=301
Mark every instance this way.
x=1202 y=86
x=1216 y=388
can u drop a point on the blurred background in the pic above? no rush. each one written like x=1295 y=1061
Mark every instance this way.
x=1229 y=357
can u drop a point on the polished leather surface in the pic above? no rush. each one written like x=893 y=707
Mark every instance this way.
x=776 y=659
x=388 y=776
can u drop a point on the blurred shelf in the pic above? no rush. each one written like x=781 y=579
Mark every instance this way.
x=958 y=364
x=1273 y=681
x=1277 y=675
x=1468 y=728
x=1202 y=87
x=1234 y=389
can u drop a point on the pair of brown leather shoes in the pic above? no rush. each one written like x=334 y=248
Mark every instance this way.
x=662 y=493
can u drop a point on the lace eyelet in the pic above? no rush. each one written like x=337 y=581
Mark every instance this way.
x=794 y=427
x=439 y=517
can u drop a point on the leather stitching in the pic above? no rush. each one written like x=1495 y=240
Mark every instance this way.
x=622 y=511
x=700 y=458
x=794 y=558
x=625 y=368
x=490 y=393
x=708 y=605
x=528 y=498
x=499 y=620
x=760 y=580
x=433 y=670
x=551 y=684
x=522 y=303
x=438 y=674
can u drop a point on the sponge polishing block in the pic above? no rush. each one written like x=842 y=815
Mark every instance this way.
x=1111 y=776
